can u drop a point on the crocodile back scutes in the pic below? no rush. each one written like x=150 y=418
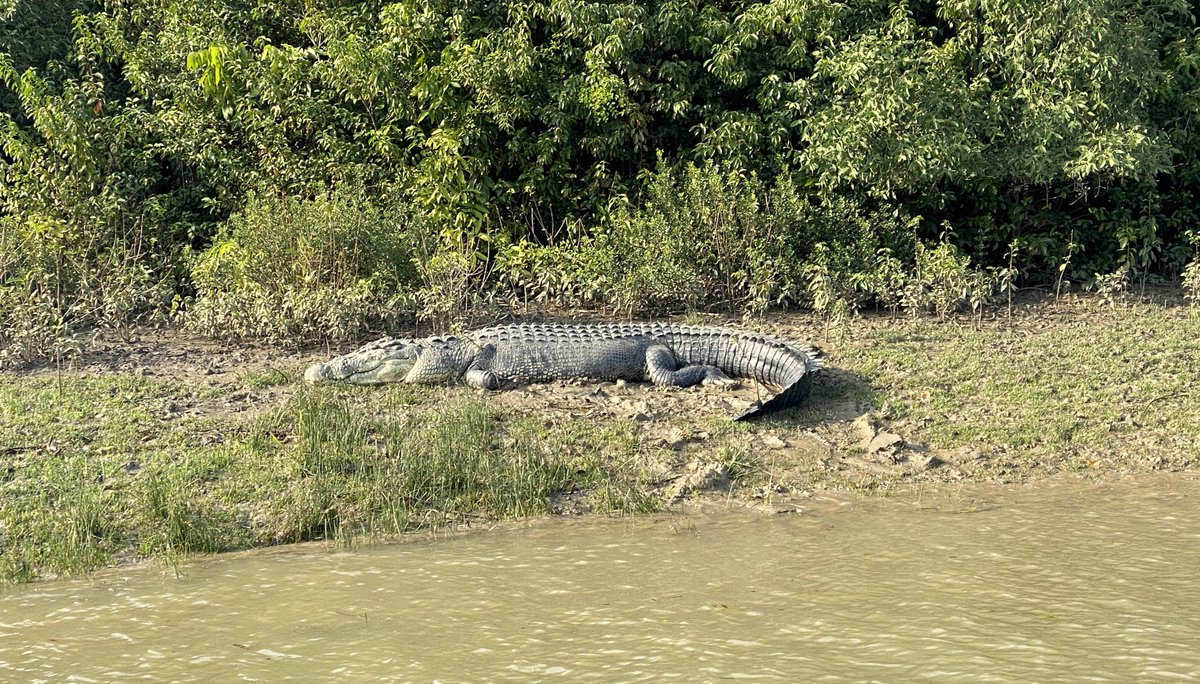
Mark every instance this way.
x=784 y=366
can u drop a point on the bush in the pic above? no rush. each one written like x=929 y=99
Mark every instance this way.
x=851 y=255
x=579 y=273
x=452 y=285
x=943 y=281
x=58 y=277
x=844 y=276
x=299 y=270
x=87 y=237
x=1191 y=282
x=710 y=235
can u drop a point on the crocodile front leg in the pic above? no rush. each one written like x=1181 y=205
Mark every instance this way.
x=479 y=374
x=663 y=369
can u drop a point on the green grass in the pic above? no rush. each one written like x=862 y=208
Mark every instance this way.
x=607 y=460
x=1117 y=383
x=100 y=473
x=270 y=377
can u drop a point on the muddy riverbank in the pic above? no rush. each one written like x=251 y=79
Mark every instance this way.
x=871 y=416
x=1075 y=387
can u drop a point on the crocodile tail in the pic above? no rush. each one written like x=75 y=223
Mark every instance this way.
x=792 y=395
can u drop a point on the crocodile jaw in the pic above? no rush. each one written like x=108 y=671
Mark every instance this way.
x=367 y=366
x=392 y=370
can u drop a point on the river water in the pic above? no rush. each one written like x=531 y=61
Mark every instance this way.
x=1063 y=582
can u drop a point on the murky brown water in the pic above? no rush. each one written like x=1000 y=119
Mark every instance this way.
x=1066 y=583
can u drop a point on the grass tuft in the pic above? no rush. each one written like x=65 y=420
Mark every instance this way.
x=106 y=474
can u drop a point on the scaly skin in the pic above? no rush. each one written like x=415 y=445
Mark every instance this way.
x=503 y=356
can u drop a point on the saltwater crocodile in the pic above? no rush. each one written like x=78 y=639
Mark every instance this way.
x=665 y=353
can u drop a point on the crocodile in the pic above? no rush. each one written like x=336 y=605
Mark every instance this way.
x=667 y=354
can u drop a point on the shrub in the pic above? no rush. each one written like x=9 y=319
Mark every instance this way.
x=943 y=281
x=842 y=276
x=851 y=256
x=58 y=277
x=577 y=273
x=711 y=234
x=452 y=286
x=1191 y=282
x=1111 y=287
x=299 y=270
x=703 y=236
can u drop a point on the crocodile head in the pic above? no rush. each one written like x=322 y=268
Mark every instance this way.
x=387 y=360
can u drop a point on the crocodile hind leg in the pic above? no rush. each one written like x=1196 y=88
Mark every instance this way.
x=663 y=369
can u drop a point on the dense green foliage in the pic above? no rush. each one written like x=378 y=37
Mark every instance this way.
x=294 y=271
x=626 y=153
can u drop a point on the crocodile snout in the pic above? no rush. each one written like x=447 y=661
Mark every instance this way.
x=318 y=372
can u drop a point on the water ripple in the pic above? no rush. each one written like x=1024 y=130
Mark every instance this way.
x=1081 y=584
